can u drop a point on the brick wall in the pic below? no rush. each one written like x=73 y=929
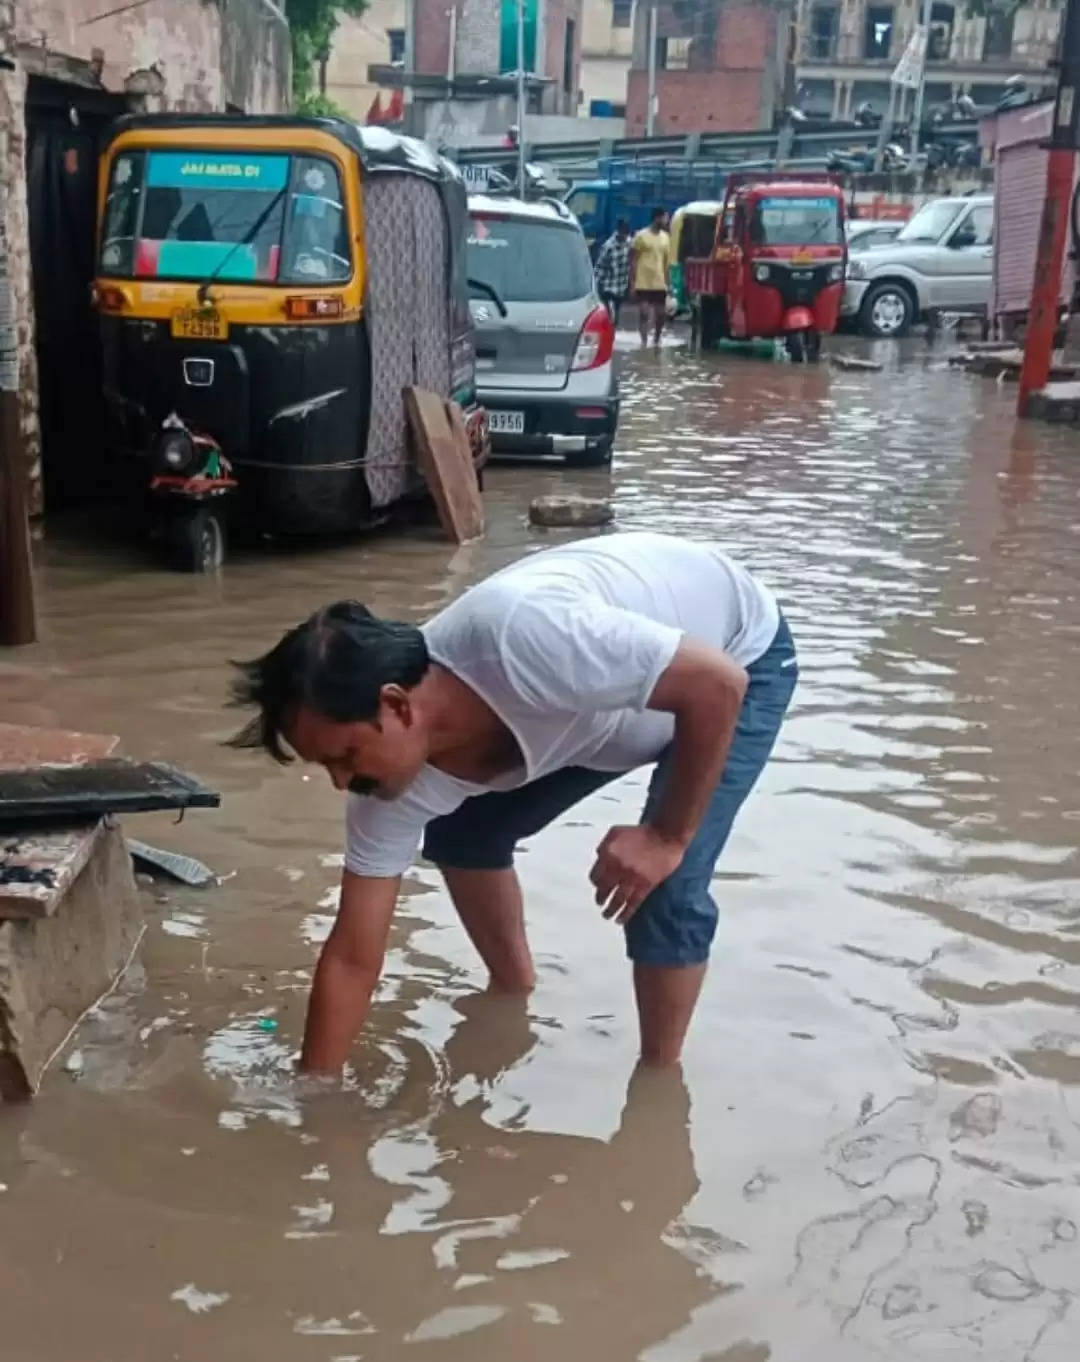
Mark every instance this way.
x=555 y=15
x=697 y=101
x=431 y=40
x=738 y=93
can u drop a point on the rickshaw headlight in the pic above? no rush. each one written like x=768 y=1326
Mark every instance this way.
x=761 y=273
x=175 y=453
x=836 y=272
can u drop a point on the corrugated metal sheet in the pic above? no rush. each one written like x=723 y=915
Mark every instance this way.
x=1019 y=192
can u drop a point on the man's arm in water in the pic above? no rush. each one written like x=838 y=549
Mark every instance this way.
x=348 y=970
x=703 y=688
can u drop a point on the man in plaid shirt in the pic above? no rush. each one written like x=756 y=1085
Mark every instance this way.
x=613 y=269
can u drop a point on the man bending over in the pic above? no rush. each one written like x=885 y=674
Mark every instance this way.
x=482 y=726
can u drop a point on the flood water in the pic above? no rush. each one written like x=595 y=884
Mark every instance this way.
x=873 y=1151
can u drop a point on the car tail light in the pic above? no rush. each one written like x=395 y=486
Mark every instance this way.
x=596 y=342
x=308 y=309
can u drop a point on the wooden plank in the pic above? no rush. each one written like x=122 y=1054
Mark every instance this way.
x=442 y=451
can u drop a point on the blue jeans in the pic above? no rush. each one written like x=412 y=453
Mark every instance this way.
x=676 y=923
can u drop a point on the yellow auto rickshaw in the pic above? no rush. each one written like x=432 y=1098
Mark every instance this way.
x=691 y=226
x=266 y=288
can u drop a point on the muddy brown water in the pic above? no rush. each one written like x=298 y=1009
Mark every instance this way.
x=874 y=1149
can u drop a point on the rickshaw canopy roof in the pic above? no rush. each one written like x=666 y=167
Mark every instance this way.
x=377 y=149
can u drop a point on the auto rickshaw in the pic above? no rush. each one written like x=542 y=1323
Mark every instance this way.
x=266 y=288
x=776 y=267
x=692 y=232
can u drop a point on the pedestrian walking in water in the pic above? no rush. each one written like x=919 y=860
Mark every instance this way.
x=651 y=255
x=533 y=690
x=613 y=269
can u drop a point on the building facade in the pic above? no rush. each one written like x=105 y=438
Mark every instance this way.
x=374 y=38
x=721 y=65
x=607 y=43
x=847 y=49
x=71 y=66
x=458 y=70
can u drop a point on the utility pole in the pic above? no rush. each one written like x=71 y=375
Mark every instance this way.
x=17 y=620
x=920 y=89
x=650 y=111
x=1053 y=229
x=408 y=62
x=521 y=97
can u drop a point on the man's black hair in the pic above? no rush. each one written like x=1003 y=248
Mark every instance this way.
x=623 y=225
x=657 y=213
x=335 y=663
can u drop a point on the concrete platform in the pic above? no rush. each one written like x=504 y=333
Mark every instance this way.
x=1006 y=364
x=1058 y=402
x=53 y=968
x=69 y=916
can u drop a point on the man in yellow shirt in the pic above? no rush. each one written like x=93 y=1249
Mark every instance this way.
x=651 y=251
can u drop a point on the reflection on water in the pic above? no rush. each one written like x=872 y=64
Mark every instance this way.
x=873 y=1152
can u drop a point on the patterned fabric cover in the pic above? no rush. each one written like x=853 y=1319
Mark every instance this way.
x=407 y=318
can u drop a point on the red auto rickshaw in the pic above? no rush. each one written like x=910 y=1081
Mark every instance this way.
x=777 y=263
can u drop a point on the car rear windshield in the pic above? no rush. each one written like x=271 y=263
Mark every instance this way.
x=244 y=219
x=784 y=221
x=528 y=262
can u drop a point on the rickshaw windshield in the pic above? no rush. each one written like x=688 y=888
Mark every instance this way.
x=784 y=221
x=241 y=218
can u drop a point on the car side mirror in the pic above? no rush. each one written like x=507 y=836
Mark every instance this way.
x=963 y=236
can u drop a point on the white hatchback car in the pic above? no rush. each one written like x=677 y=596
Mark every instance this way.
x=545 y=367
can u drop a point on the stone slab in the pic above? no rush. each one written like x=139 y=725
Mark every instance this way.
x=37 y=868
x=561 y=512
x=22 y=746
x=52 y=969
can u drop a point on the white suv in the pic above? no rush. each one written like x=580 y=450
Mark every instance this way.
x=943 y=258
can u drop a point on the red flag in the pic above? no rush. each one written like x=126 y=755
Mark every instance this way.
x=375 y=113
x=395 y=111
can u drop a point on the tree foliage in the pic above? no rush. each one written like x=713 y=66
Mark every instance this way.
x=312 y=23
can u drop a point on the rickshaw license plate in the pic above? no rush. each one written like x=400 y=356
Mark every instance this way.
x=506 y=422
x=199 y=323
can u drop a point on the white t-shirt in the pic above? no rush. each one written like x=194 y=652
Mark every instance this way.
x=567 y=646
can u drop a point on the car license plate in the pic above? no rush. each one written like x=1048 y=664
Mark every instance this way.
x=506 y=422
x=199 y=323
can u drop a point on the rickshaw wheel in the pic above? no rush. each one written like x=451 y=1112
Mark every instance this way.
x=812 y=346
x=795 y=346
x=197 y=540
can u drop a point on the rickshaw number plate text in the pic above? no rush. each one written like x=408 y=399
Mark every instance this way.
x=199 y=323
